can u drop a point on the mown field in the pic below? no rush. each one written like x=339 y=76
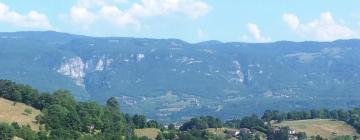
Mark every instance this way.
x=323 y=127
x=15 y=112
x=147 y=132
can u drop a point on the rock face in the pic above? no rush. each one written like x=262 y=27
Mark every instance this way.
x=239 y=73
x=171 y=80
x=75 y=69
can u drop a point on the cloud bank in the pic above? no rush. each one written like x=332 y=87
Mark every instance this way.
x=33 y=19
x=324 y=28
x=87 y=12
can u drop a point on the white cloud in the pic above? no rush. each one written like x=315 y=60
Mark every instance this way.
x=81 y=15
x=254 y=30
x=116 y=16
x=86 y=12
x=324 y=28
x=121 y=1
x=291 y=20
x=32 y=19
x=190 y=8
x=255 y=33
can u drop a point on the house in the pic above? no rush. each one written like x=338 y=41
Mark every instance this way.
x=292 y=137
x=245 y=131
x=233 y=133
x=177 y=126
x=291 y=131
x=276 y=130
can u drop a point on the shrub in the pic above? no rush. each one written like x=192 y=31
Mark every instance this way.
x=28 y=111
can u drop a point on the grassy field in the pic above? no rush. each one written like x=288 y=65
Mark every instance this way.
x=147 y=132
x=15 y=112
x=323 y=127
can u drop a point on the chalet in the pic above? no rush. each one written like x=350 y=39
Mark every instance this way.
x=291 y=131
x=233 y=133
x=276 y=130
x=245 y=131
x=177 y=126
x=292 y=137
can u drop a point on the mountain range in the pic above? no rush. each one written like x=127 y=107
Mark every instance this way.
x=170 y=79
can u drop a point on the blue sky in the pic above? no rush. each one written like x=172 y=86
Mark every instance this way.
x=189 y=20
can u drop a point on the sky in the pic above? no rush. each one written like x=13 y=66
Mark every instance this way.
x=189 y=20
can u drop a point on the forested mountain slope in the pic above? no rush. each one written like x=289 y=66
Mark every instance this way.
x=169 y=79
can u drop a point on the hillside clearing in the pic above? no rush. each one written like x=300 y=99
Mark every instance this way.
x=18 y=112
x=323 y=127
x=147 y=132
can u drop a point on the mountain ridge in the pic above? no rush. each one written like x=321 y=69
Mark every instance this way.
x=171 y=79
x=206 y=41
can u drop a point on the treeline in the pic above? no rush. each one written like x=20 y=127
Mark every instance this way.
x=64 y=118
x=251 y=122
x=202 y=123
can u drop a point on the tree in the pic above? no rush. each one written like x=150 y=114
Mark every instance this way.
x=343 y=115
x=171 y=126
x=246 y=137
x=315 y=114
x=64 y=98
x=170 y=135
x=152 y=124
x=187 y=136
x=6 y=131
x=251 y=122
x=54 y=117
x=212 y=122
x=64 y=134
x=269 y=115
x=112 y=104
x=42 y=135
x=202 y=123
x=43 y=101
x=160 y=136
x=318 y=137
x=334 y=114
x=139 y=121
x=301 y=136
x=26 y=133
x=194 y=123
x=90 y=114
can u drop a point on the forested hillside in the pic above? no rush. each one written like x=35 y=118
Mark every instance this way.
x=170 y=79
x=65 y=118
x=62 y=117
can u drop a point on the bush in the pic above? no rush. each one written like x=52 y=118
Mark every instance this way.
x=6 y=131
x=28 y=111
